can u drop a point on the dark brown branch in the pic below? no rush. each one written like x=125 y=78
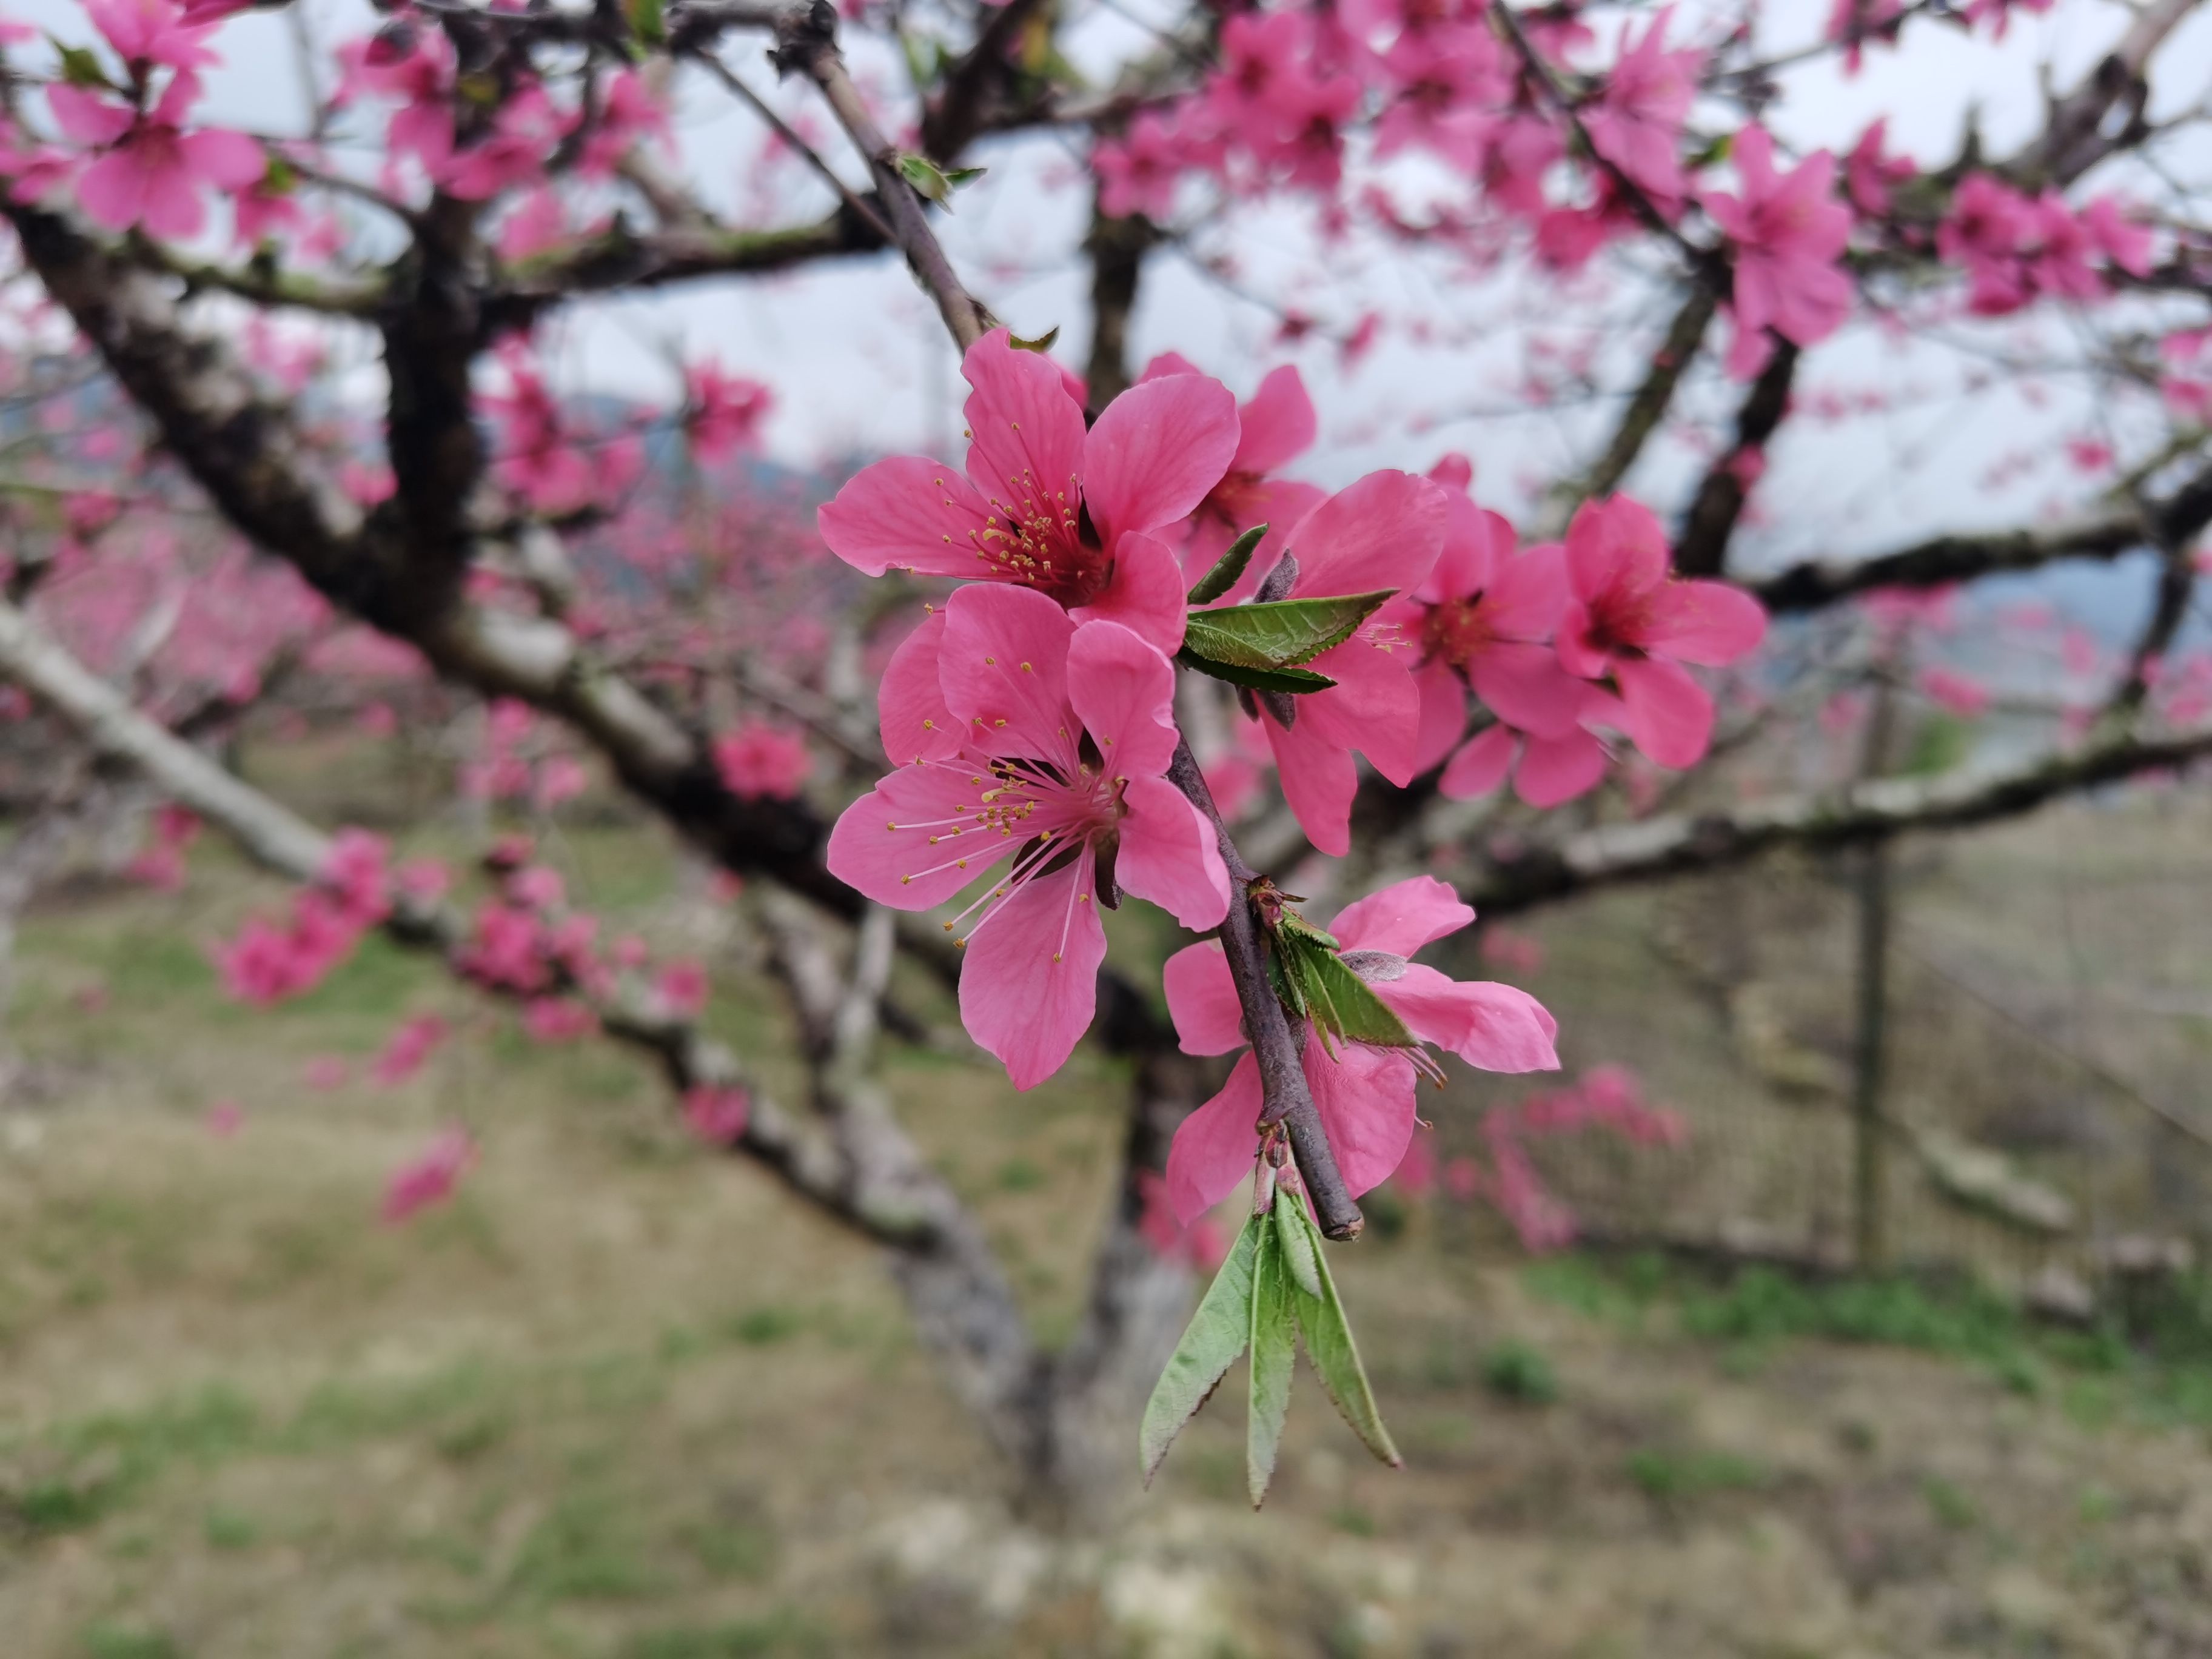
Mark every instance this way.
x=621 y=257
x=1874 y=810
x=1710 y=524
x=2081 y=130
x=1117 y=249
x=1286 y=1097
x=1648 y=408
x=976 y=86
x=1942 y=560
x=807 y=42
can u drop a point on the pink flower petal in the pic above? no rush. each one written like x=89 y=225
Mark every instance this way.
x=1003 y=664
x=1145 y=594
x=1027 y=439
x=85 y=120
x=1202 y=1000
x=1124 y=692
x=1707 y=622
x=1374 y=706
x=112 y=191
x=1366 y=1100
x=1479 y=766
x=1497 y=1027
x=1525 y=686
x=910 y=706
x=897 y=843
x=1527 y=591
x=1402 y=917
x=1156 y=451
x=1384 y=530
x=1615 y=542
x=1319 y=780
x=1554 y=771
x=1669 y=715
x=1277 y=425
x=908 y=513
x=1444 y=713
x=1214 y=1146
x=1170 y=855
x=228 y=161
x=1030 y=983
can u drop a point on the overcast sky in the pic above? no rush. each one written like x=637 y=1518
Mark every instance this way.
x=861 y=365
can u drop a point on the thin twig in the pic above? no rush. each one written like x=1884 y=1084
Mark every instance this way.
x=1286 y=1097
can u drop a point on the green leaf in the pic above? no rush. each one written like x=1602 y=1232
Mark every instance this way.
x=1042 y=343
x=1217 y=1333
x=932 y=182
x=1335 y=1355
x=927 y=179
x=1274 y=1352
x=1292 y=680
x=80 y=66
x=1336 y=999
x=647 y=20
x=1228 y=567
x=1298 y=1253
x=1281 y=633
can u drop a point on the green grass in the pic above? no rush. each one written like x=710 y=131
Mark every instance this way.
x=1672 y=1474
x=1518 y=1371
x=778 y=1634
x=2153 y=1365
x=128 y=1642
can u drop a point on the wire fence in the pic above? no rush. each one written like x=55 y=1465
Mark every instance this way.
x=2044 y=1118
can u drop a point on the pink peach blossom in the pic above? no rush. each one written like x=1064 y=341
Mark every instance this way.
x=1043 y=504
x=1365 y=1094
x=1045 y=742
x=1633 y=624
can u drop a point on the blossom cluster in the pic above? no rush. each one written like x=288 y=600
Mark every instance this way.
x=1031 y=717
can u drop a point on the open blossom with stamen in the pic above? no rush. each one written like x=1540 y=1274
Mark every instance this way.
x=1364 y=1093
x=1043 y=504
x=1033 y=739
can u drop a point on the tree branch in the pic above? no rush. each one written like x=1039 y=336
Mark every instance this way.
x=1942 y=560
x=1645 y=411
x=1711 y=522
x=1287 y=1098
x=1117 y=249
x=1872 y=809
x=806 y=41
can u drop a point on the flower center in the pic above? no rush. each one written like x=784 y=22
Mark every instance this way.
x=1457 y=630
x=1062 y=821
x=1042 y=539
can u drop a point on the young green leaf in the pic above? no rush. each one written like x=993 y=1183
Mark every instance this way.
x=1336 y=999
x=1335 y=1355
x=1217 y=1333
x=1042 y=343
x=1281 y=633
x=1296 y=1245
x=79 y=65
x=1228 y=567
x=1274 y=1352
x=647 y=21
x=1292 y=680
x=927 y=179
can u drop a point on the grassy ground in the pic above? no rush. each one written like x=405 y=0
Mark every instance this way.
x=622 y=1399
